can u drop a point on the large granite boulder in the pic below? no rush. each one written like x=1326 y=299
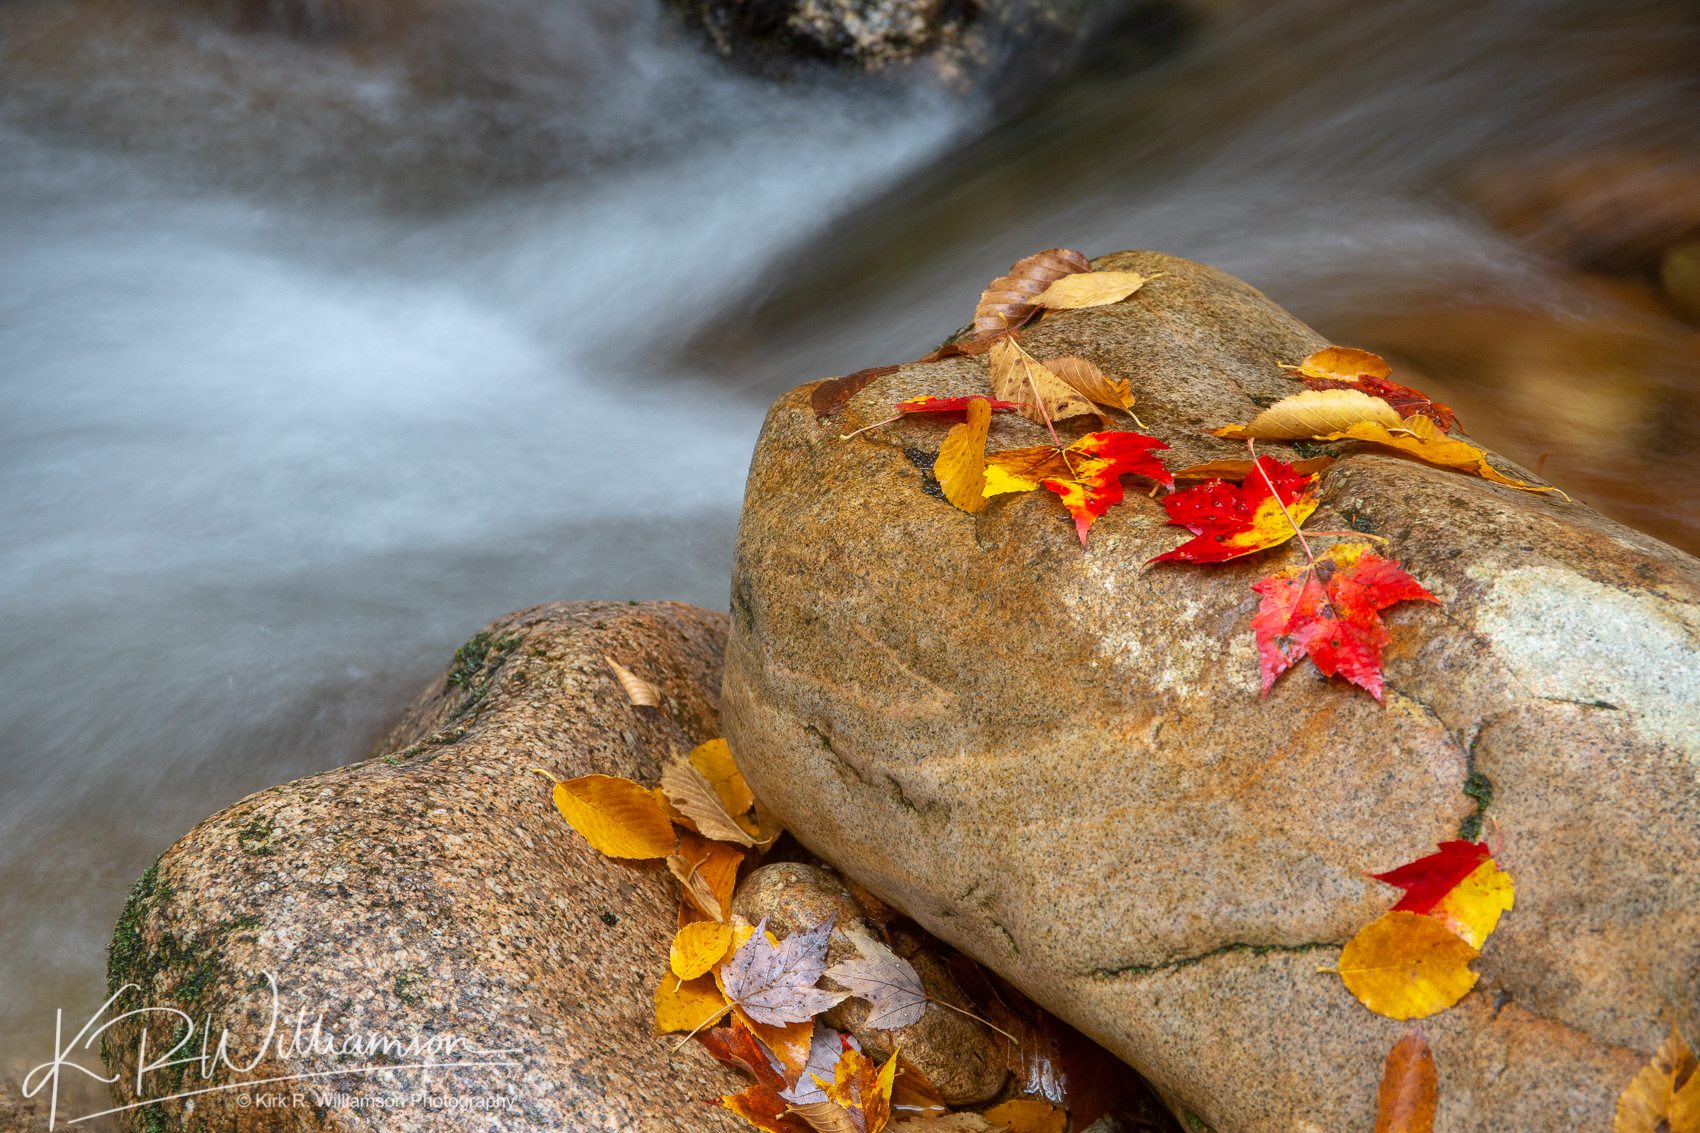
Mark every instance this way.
x=1057 y=759
x=433 y=892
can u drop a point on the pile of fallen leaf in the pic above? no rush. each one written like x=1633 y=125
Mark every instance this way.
x=753 y=1001
x=1328 y=610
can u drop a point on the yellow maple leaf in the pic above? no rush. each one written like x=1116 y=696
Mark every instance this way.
x=1407 y=966
x=1653 y=1101
x=1472 y=909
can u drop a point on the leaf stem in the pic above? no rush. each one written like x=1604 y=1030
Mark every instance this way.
x=865 y=428
x=1034 y=386
x=976 y=1018
x=701 y=1025
x=1280 y=503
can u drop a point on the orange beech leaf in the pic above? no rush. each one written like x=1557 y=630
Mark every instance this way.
x=766 y=1110
x=735 y=1044
x=973 y=346
x=1028 y=1115
x=1663 y=1097
x=1404 y=400
x=1100 y=461
x=1091 y=382
x=863 y=1089
x=1228 y=522
x=1008 y=301
x=1039 y=395
x=1237 y=470
x=707 y=872
x=833 y=395
x=1091 y=289
x=1332 y=615
x=961 y=465
x=1409 y=1088
x=617 y=816
x=1342 y=363
x=1418 y=436
x=697 y=947
x=685 y=1005
x=1314 y=413
x=638 y=690
x=1407 y=966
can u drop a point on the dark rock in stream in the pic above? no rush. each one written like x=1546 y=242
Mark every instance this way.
x=1057 y=760
x=434 y=896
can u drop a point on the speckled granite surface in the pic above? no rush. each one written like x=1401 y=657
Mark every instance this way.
x=433 y=899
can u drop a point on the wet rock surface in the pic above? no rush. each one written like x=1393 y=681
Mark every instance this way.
x=1057 y=760
x=958 y=1055
x=434 y=892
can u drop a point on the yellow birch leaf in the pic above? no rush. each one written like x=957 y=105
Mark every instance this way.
x=1421 y=438
x=1090 y=289
x=1647 y=1102
x=698 y=947
x=615 y=815
x=714 y=760
x=961 y=466
x=1473 y=907
x=1093 y=383
x=1407 y=966
x=685 y=1005
x=1016 y=374
x=1343 y=364
x=1028 y=1115
x=1315 y=413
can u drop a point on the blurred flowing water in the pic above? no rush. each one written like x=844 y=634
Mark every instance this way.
x=318 y=351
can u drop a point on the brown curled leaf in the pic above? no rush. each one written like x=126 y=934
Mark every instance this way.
x=638 y=690
x=1092 y=383
x=1008 y=301
x=833 y=395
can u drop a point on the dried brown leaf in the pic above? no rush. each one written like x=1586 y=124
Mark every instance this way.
x=1091 y=382
x=1017 y=375
x=833 y=395
x=638 y=690
x=1008 y=300
x=1647 y=1102
x=972 y=346
x=1409 y=1088
x=689 y=790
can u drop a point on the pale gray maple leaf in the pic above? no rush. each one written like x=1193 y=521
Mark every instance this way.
x=776 y=985
x=889 y=983
x=826 y=1047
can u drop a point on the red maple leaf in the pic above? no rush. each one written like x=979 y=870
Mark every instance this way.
x=1332 y=614
x=1229 y=521
x=1427 y=880
x=1402 y=398
x=1100 y=460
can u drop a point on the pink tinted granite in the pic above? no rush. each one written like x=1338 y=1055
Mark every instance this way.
x=436 y=891
x=1058 y=760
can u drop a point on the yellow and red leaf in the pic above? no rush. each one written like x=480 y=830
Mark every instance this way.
x=1229 y=521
